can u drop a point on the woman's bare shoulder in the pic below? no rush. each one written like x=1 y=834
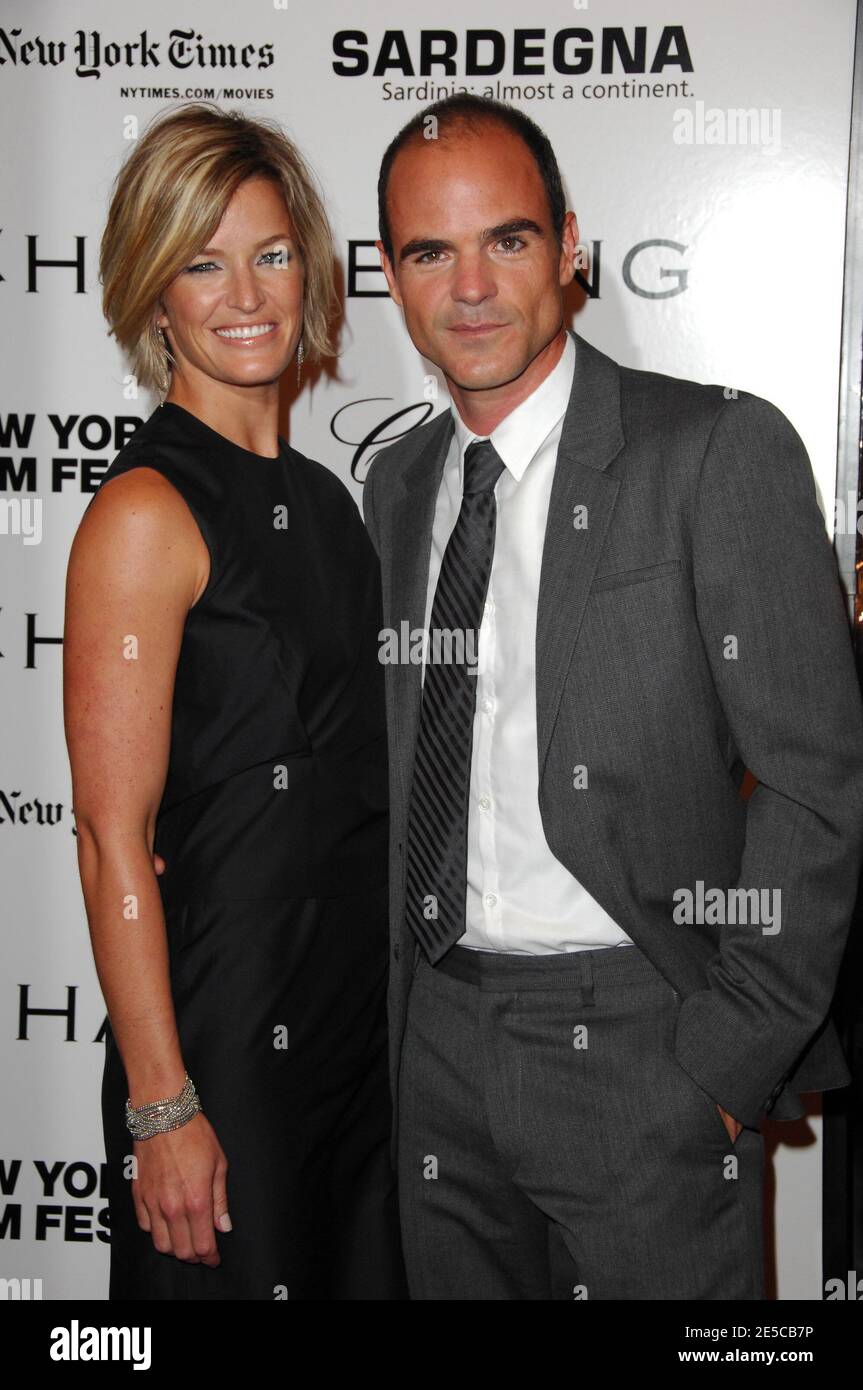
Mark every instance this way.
x=139 y=523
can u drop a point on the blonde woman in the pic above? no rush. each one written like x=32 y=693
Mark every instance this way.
x=224 y=713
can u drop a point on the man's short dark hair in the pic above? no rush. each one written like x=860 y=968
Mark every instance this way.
x=465 y=111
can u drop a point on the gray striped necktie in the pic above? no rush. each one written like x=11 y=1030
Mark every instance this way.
x=436 y=871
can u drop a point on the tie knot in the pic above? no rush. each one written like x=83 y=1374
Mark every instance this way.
x=483 y=466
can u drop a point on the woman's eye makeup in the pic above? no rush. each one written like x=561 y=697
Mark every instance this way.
x=281 y=257
x=281 y=253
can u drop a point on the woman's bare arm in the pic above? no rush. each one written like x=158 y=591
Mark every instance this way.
x=137 y=564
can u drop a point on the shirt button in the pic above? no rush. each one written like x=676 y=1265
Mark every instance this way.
x=487 y=705
x=484 y=803
x=490 y=899
x=488 y=606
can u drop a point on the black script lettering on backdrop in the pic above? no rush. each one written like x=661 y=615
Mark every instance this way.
x=374 y=438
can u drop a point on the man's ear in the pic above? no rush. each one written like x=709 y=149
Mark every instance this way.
x=568 y=249
x=386 y=267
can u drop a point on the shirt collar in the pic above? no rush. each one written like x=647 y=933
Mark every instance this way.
x=519 y=435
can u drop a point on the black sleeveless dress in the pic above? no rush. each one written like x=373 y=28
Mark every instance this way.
x=273 y=825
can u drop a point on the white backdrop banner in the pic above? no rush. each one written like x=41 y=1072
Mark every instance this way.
x=704 y=149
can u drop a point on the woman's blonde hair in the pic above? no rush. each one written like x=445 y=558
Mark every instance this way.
x=167 y=201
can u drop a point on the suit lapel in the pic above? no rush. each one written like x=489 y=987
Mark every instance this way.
x=413 y=519
x=592 y=436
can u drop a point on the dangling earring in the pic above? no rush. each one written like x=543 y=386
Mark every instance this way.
x=300 y=356
x=162 y=349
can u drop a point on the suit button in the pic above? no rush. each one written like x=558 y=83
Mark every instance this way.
x=396 y=951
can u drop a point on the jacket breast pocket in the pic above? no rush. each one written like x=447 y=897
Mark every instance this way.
x=641 y=575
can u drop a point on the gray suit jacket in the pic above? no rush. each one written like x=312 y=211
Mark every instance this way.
x=703 y=524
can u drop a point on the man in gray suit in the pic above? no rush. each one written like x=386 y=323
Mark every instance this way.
x=607 y=967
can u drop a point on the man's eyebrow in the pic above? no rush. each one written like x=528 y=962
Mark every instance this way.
x=515 y=224
x=419 y=245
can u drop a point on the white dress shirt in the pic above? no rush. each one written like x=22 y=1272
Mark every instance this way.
x=520 y=898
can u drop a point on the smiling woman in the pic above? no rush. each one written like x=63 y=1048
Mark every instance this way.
x=225 y=722
x=168 y=201
x=234 y=315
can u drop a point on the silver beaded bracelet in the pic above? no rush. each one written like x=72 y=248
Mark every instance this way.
x=160 y=1116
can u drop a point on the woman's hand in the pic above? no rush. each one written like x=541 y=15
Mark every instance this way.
x=180 y=1192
